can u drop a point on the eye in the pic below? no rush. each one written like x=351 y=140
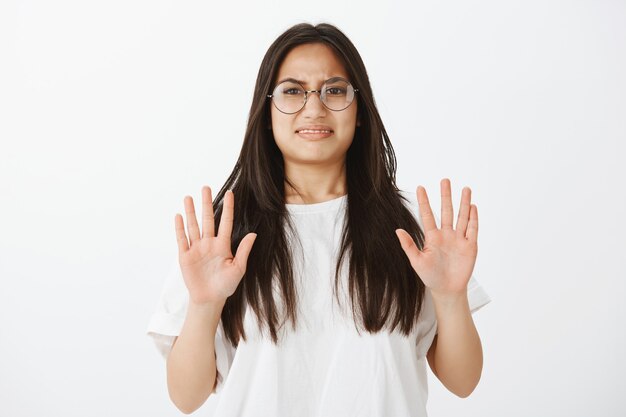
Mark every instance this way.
x=292 y=91
x=335 y=91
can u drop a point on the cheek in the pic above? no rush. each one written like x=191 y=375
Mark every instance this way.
x=348 y=122
x=281 y=125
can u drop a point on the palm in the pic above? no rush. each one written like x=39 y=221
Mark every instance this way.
x=446 y=261
x=210 y=271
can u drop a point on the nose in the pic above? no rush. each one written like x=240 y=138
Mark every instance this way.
x=313 y=104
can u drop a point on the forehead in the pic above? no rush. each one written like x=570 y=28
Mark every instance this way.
x=311 y=63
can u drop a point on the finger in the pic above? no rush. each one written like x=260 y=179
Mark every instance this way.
x=208 y=219
x=192 y=222
x=446 y=204
x=226 y=222
x=410 y=248
x=181 y=238
x=425 y=211
x=245 y=246
x=472 y=226
x=464 y=211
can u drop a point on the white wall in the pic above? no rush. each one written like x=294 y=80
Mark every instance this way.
x=111 y=112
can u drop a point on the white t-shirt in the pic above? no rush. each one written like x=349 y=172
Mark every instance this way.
x=325 y=368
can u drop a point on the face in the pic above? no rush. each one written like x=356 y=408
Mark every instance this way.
x=313 y=64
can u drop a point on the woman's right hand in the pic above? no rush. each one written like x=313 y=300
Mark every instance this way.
x=210 y=271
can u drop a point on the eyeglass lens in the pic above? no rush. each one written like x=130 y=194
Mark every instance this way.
x=289 y=96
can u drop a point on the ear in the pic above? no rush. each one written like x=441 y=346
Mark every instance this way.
x=358 y=121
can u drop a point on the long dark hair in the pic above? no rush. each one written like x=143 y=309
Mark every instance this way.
x=385 y=291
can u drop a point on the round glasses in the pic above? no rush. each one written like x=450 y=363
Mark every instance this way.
x=290 y=97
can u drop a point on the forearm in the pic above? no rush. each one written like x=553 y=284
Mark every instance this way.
x=458 y=355
x=191 y=369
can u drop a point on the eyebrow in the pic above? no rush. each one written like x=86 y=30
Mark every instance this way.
x=304 y=83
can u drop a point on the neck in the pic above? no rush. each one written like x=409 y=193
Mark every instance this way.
x=314 y=183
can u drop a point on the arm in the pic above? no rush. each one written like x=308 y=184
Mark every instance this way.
x=445 y=264
x=191 y=370
x=211 y=275
x=456 y=356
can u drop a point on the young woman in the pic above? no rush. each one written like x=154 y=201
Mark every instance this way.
x=341 y=287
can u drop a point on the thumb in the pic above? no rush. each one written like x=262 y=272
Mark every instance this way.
x=410 y=248
x=243 y=250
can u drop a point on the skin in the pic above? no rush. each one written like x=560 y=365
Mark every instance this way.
x=445 y=265
x=211 y=274
x=317 y=168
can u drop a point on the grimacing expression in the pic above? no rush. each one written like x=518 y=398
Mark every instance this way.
x=313 y=64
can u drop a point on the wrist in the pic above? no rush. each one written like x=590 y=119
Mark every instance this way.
x=209 y=310
x=450 y=300
x=449 y=296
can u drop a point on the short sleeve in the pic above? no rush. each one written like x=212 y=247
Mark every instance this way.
x=476 y=295
x=168 y=318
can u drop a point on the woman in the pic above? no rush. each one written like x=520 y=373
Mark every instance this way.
x=340 y=287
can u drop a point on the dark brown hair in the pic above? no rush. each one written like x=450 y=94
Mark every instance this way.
x=385 y=291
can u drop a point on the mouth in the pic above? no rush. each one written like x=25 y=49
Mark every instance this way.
x=314 y=134
x=314 y=131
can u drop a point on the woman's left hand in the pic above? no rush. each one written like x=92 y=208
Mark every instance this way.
x=446 y=261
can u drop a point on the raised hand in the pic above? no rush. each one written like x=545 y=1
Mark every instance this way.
x=210 y=271
x=446 y=262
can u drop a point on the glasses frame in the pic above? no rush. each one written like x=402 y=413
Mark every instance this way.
x=306 y=94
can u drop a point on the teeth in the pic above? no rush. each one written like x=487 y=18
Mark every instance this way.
x=314 y=131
